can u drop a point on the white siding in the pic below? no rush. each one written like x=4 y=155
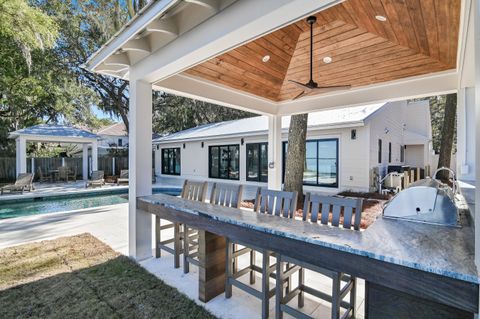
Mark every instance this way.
x=353 y=160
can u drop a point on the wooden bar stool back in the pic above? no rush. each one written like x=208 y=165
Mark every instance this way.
x=229 y=195
x=336 y=212
x=191 y=190
x=270 y=202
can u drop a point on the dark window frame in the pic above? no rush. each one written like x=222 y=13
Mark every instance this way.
x=380 y=151
x=317 y=184
x=259 y=162
x=171 y=170
x=218 y=164
x=120 y=142
x=389 y=152
x=402 y=153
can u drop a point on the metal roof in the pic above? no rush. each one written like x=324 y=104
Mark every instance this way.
x=54 y=131
x=259 y=125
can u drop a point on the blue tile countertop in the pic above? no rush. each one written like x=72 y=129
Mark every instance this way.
x=446 y=251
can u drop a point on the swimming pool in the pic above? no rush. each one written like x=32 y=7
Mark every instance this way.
x=62 y=203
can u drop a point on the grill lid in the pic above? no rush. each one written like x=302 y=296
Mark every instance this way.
x=425 y=201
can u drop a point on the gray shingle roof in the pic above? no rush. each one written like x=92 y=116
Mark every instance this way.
x=54 y=130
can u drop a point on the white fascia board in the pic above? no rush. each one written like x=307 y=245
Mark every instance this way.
x=54 y=139
x=217 y=94
x=259 y=133
x=129 y=31
x=239 y=23
x=409 y=88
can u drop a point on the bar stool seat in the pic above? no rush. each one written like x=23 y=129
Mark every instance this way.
x=342 y=284
x=277 y=203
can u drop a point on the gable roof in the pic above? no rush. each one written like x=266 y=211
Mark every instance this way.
x=345 y=117
x=117 y=129
x=52 y=130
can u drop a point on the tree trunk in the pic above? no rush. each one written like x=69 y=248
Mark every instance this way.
x=295 y=161
x=448 y=133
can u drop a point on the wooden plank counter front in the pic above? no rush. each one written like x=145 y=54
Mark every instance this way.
x=411 y=270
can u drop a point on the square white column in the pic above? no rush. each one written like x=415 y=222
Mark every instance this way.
x=275 y=152
x=140 y=169
x=21 y=155
x=94 y=156
x=85 y=162
x=476 y=22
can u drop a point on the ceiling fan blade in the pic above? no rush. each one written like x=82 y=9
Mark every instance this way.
x=303 y=86
x=300 y=95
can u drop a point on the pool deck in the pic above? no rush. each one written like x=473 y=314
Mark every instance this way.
x=110 y=224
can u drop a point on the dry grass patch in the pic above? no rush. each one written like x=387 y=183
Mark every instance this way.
x=80 y=277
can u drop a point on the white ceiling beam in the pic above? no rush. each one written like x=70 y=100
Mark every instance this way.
x=210 y=4
x=413 y=87
x=120 y=59
x=237 y=24
x=167 y=26
x=213 y=93
x=141 y=45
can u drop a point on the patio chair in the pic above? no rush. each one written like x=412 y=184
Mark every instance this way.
x=63 y=173
x=123 y=179
x=229 y=195
x=43 y=178
x=24 y=182
x=96 y=180
x=328 y=211
x=196 y=191
x=72 y=174
x=278 y=203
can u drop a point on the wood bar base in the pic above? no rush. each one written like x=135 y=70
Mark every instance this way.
x=382 y=302
x=212 y=257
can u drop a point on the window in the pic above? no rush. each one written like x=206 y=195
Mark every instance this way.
x=224 y=161
x=257 y=162
x=389 y=152
x=321 y=162
x=402 y=153
x=171 y=161
x=379 y=151
x=120 y=142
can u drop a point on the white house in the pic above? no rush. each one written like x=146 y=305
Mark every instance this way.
x=113 y=136
x=395 y=133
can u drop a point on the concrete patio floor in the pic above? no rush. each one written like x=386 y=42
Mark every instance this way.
x=109 y=224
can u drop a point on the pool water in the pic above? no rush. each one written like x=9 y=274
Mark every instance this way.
x=44 y=205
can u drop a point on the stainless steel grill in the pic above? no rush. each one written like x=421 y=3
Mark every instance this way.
x=426 y=201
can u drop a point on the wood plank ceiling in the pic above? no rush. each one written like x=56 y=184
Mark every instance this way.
x=418 y=37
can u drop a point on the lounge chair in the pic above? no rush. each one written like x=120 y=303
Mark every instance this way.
x=24 y=182
x=96 y=179
x=123 y=179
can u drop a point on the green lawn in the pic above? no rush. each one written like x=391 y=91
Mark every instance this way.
x=80 y=277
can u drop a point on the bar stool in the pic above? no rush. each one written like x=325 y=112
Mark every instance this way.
x=319 y=207
x=222 y=194
x=277 y=203
x=195 y=191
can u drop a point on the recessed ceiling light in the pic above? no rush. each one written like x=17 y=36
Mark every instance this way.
x=381 y=18
x=266 y=58
x=327 y=59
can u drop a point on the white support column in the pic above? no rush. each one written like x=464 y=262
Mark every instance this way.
x=94 y=156
x=275 y=152
x=32 y=164
x=476 y=18
x=85 y=162
x=113 y=165
x=21 y=156
x=63 y=161
x=140 y=169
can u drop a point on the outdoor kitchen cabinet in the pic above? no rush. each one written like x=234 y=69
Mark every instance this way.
x=411 y=270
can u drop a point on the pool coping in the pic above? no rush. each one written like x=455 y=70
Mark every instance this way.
x=80 y=191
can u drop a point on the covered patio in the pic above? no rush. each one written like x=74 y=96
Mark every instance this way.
x=245 y=55
x=57 y=134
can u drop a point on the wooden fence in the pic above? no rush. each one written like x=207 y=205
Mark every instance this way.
x=46 y=164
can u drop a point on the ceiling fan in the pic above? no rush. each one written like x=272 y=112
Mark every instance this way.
x=311 y=86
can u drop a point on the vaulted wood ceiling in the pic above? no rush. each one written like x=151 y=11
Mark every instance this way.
x=418 y=37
